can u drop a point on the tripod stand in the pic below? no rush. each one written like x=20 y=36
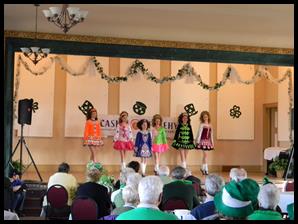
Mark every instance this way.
x=21 y=142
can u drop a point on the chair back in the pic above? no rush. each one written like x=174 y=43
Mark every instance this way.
x=289 y=186
x=57 y=197
x=174 y=203
x=84 y=208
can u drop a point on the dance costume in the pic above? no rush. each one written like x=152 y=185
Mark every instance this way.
x=92 y=133
x=159 y=140
x=183 y=137
x=143 y=144
x=123 y=138
x=205 y=138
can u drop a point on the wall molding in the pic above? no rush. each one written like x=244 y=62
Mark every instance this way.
x=149 y=43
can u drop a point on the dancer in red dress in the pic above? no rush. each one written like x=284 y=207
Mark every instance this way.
x=204 y=140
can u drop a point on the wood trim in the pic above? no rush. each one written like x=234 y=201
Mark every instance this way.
x=149 y=43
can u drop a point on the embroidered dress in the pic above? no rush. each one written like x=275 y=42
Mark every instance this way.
x=92 y=134
x=143 y=144
x=123 y=138
x=205 y=138
x=159 y=140
x=183 y=137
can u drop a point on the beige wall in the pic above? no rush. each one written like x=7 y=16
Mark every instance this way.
x=52 y=151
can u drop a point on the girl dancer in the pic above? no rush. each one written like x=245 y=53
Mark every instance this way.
x=183 y=140
x=92 y=133
x=123 y=139
x=159 y=136
x=205 y=139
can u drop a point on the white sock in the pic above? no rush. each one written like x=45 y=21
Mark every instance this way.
x=206 y=167
x=203 y=166
x=123 y=165
x=184 y=164
x=156 y=167
x=144 y=168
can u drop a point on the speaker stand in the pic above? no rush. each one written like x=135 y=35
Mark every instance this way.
x=21 y=142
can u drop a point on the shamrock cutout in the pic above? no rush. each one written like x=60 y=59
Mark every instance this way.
x=35 y=106
x=235 y=112
x=139 y=108
x=86 y=106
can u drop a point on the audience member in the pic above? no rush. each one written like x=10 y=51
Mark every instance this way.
x=64 y=178
x=132 y=164
x=238 y=174
x=195 y=181
x=8 y=194
x=164 y=173
x=213 y=185
x=10 y=215
x=95 y=191
x=236 y=199
x=180 y=189
x=268 y=198
x=115 y=198
x=290 y=210
x=131 y=199
x=19 y=193
x=150 y=193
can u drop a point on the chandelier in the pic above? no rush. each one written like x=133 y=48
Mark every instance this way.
x=35 y=54
x=66 y=17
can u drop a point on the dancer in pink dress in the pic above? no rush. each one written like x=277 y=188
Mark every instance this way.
x=160 y=144
x=204 y=140
x=123 y=138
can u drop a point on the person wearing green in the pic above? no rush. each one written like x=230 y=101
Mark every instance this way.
x=183 y=139
x=160 y=144
x=290 y=210
x=150 y=191
x=268 y=198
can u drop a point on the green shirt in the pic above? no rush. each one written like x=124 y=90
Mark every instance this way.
x=265 y=215
x=146 y=214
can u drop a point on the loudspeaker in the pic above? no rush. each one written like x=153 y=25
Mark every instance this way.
x=25 y=111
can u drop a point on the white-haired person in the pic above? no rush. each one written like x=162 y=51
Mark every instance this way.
x=268 y=199
x=238 y=174
x=130 y=196
x=116 y=196
x=150 y=193
x=207 y=210
x=163 y=173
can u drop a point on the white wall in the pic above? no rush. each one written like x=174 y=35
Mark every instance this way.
x=231 y=94
x=89 y=87
x=41 y=89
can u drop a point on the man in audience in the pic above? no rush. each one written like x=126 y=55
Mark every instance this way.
x=213 y=185
x=64 y=178
x=236 y=199
x=116 y=196
x=132 y=164
x=180 y=189
x=10 y=215
x=131 y=199
x=238 y=174
x=164 y=173
x=150 y=193
x=268 y=198
x=195 y=181
x=8 y=194
x=290 y=210
x=19 y=193
x=95 y=191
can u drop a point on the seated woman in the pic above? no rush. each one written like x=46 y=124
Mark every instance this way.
x=268 y=198
x=96 y=191
x=131 y=199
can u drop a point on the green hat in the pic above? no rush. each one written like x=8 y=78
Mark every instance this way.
x=290 y=210
x=251 y=190
x=92 y=165
x=236 y=198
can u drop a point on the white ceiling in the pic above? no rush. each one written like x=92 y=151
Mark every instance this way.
x=264 y=25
